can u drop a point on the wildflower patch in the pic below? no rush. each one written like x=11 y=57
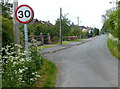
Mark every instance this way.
x=17 y=70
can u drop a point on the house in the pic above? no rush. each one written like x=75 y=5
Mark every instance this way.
x=89 y=29
x=41 y=22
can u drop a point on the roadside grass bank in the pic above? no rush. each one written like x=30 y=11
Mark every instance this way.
x=52 y=45
x=48 y=73
x=113 y=47
x=44 y=46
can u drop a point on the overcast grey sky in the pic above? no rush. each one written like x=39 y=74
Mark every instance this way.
x=89 y=11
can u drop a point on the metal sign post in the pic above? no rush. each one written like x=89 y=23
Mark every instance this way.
x=24 y=14
x=26 y=39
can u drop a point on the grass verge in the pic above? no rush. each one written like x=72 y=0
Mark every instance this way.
x=68 y=42
x=63 y=42
x=113 y=47
x=44 y=46
x=77 y=40
x=48 y=73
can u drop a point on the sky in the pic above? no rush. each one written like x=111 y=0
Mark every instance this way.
x=88 y=11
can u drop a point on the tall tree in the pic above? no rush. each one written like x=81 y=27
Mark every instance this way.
x=65 y=26
x=111 y=21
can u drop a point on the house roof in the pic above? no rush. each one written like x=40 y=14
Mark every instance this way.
x=41 y=22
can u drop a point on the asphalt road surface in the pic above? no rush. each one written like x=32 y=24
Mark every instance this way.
x=87 y=65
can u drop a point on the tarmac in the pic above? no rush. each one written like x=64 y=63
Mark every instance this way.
x=56 y=48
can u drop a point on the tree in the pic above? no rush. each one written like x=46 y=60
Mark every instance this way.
x=65 y=26
x=95 y=31
x=75 y=31
x=111 y=22
x=91 y=34
x=85 y=34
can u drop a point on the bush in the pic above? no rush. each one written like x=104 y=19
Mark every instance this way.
x=55 y=39
x=7 y=31
x=17 y=70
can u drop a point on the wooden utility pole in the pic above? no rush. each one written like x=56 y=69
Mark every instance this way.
x=60 y=26
x=16 y=24
x=78 y=20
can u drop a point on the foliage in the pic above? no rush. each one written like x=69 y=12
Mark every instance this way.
x=91 y=34
x=65 y=26
x=7 y=31
x=44 y=29
x=111 y=22
x=95 y=32
x=75 y=31
x=55 y=39
x=85 y=34
x=37 y=28
x=48 y=73
x=19 y=71
x=113 y=45
x=6 y=9
x=36 y=56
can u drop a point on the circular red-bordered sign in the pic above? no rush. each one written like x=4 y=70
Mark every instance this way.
x=24 y=14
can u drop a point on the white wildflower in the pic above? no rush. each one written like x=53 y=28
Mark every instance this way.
x=38 y=76
x=18 y=46
x=31 y=79
x=35 y=78
x=22 y=59
x=3 y=49
x=15 y=71
x=23 y=81
x=5 y=57
x=26 y=68
x=14 y=63
x=20 y=71
x=16 y=58
x=33 y=73
x=20 y=78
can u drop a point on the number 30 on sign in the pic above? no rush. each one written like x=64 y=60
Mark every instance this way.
x=24 y=14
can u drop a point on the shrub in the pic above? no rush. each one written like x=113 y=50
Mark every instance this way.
x=7 y=31
x=17 y=70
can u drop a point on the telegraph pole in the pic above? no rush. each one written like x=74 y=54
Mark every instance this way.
x=16 y=24
x=60 y=26
x=78 y=20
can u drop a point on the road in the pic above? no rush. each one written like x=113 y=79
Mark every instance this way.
x=86 y=65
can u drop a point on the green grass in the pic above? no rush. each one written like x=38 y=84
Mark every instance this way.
x=68 y=42
x=77 y=40
x=113 y=47
x=44 y=46
x=63 y=42
x=48 y=73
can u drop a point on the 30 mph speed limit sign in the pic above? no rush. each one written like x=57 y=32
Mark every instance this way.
x=24 y=14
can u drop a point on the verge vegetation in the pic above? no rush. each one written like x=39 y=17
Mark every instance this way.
x=113 y=46
x=48 y=73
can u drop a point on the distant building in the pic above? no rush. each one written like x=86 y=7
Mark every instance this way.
x=89 y=29
x=41 y=22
